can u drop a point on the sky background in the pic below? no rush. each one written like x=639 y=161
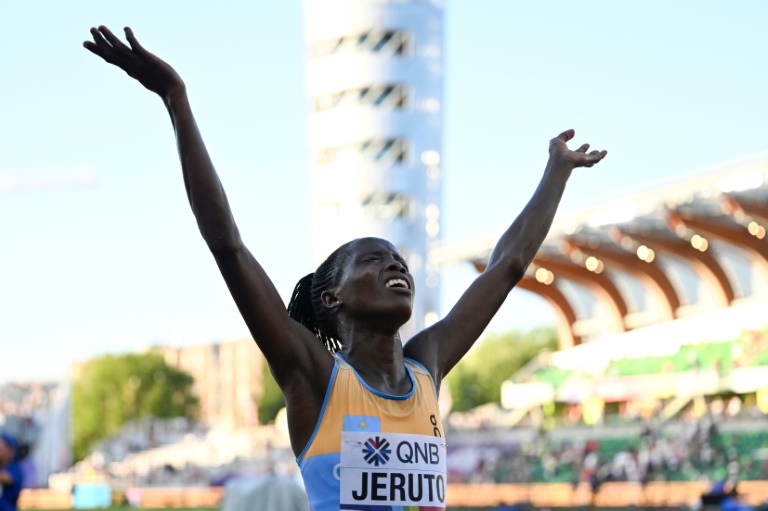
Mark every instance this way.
x=99 y=252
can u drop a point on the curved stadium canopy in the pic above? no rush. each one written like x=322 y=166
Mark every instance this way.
x=675 y=251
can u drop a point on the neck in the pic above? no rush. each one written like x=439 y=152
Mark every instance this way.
x=378 y=359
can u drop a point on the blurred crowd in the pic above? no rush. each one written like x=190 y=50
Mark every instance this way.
x=25 y=399
x=690 y=449
x=22 y=405
x=714 y=439
x=721 y=441
x=143 y=435
x=178 y=452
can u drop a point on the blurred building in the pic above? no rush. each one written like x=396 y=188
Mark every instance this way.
x=228 y=379
x=660 y=299
x=681 y=250
x=375 y=80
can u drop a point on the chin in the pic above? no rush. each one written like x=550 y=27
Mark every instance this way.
x=406 y=316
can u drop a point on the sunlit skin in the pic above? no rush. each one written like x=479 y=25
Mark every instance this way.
x=368 y=313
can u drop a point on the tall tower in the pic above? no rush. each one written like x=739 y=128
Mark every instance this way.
x=375 y=80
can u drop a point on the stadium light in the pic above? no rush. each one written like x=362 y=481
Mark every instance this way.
x=756 y=230
x=545 y=276
x=699 y=243
x=646 y=254
x=594 y=264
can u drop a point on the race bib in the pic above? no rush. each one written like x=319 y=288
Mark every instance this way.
x=392 y=469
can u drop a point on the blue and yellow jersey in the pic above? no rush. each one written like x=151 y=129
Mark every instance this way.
x=372 y=451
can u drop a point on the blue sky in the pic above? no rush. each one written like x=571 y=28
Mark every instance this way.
x=100 y=253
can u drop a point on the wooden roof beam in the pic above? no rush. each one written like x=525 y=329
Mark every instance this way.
x=564 y=313
x=758 y=210
x=703 y=263
x=648 y=273
x=735 y=234
x=598 y=283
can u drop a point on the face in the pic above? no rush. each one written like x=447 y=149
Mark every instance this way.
x=375 y=282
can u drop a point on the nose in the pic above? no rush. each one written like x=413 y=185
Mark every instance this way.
x=396 y=266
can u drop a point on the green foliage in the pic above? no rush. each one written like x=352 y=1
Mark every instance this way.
x=477 y=379
x=115 y=389
x=272 y=398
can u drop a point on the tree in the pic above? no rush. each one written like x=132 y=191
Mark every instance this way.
x=474 y=381
x=115 y=389
x=271 y=399
x=477 y=379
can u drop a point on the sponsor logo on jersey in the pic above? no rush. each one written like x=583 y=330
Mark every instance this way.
x=376 y=451
x=394 y=469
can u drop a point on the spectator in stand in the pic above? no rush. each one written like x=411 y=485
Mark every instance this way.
x=10 y=473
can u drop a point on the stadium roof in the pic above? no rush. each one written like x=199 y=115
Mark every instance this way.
x=671 y=251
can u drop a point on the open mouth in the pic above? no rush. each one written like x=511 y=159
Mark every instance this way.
x=398 y=283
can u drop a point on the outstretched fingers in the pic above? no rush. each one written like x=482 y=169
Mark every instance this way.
x=109 y=47
x=111 y=38
x=594 y=157
x=133 y=42
x=566 y=135
x=98 y=38
x=90 y=46
x=99 y=45
x=152 y=72
x=583 y=148
x=104 y=44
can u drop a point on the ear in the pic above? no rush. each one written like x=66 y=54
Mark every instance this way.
x=330 y=300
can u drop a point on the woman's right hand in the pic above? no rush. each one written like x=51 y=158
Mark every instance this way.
x=152 y=72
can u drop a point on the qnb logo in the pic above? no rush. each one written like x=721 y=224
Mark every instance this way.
x=376 y=452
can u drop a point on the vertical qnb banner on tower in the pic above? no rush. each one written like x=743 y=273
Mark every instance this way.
x=392 y=469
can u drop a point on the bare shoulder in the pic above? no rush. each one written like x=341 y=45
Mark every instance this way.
x=423 y=349
x=308 y=365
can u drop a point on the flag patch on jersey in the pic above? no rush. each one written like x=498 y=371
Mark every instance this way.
x=361 y=423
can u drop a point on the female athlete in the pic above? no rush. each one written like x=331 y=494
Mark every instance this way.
x=362 y=407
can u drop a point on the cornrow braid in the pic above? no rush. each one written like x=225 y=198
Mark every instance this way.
x=300 y=306
x=306 y=305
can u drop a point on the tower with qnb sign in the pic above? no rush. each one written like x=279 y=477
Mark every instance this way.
x=375 y=81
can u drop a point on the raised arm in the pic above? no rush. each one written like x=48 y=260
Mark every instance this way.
x=441 y=346
x=288 y=347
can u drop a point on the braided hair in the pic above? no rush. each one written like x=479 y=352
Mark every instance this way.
x=306 y=305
